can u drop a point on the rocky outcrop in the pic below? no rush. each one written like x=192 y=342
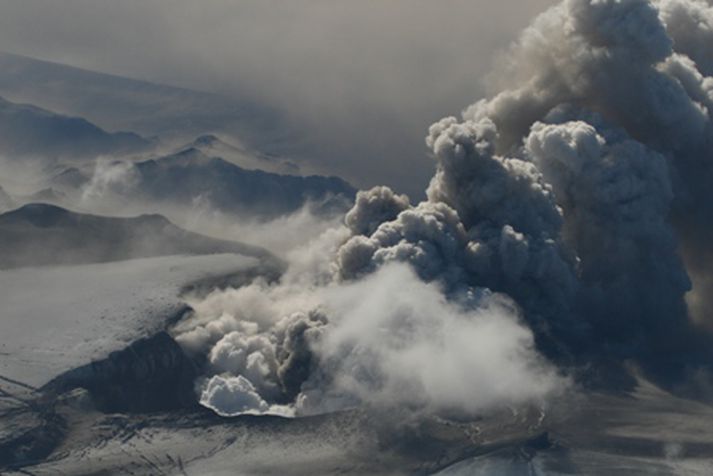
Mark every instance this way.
x=151 y=374
x=29 y=435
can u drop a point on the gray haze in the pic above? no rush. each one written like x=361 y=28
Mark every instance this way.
x=358 y=81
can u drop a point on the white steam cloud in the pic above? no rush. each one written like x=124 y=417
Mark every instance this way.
x=407 y=344
x=110 y=179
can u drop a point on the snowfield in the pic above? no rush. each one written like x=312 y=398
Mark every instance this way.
x=54 y=319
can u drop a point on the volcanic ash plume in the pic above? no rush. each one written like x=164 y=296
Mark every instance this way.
x=570 y=219
x=308 y=345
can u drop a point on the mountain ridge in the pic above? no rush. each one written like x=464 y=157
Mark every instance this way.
x=40 y=234
x=148 y=108
x=30 y=131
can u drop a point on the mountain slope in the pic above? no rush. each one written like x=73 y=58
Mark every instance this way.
x=191 y=180
x=40 y=234
x=190 y=175
x=29 y=131
x=6 y=201
x=118 y=103
x=212 y=146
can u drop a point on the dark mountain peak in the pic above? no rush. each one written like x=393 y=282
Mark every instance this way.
x=30 y=131
x=189 y=155
x=211 y=142
x=48 y=215
x=40 y=234
x=154 y=219
x=38 y=214
x=207 y=140
x=19 y=108
x=188 y=159
x=182 y=177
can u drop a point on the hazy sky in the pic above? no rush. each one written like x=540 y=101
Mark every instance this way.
x=359 y=80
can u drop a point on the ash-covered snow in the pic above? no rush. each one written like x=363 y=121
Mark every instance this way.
x=54 y=319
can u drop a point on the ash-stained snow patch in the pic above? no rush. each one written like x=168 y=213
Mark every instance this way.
x=54 y=319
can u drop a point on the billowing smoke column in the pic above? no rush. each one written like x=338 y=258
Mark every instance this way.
x=489 y=221
x=570 y=215
x=388 y=339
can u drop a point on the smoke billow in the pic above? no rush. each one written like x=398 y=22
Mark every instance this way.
x=387 y=340
x=410 y=345
x=110 y=179
x=621 y=67
x=569 y=220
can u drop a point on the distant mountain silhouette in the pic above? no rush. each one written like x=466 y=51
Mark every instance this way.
x=29 y=131
x=123 y=104
x=40 y=234
x=213 y=146
x=190 y=177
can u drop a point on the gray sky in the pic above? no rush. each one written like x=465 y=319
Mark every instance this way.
x=360 y=80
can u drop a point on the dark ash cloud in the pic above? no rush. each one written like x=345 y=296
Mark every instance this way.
x=575 y=201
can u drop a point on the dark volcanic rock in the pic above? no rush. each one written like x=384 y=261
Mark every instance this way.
x=150 y=375
x=33 y=443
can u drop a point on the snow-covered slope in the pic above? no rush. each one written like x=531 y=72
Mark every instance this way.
x=240 y=155
x=54 y=319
